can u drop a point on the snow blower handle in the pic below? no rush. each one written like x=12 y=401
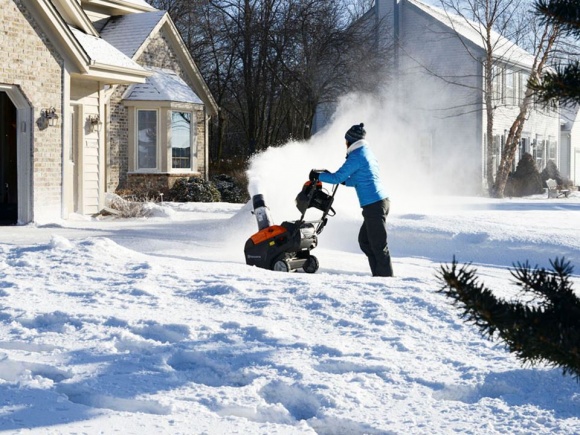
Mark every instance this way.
x=315 y=174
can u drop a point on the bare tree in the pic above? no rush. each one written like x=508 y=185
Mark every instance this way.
x=493 y=21
x=501 y=24
x=270 y=63
x=543 y=48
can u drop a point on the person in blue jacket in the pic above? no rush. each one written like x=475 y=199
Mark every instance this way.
x=361 y=171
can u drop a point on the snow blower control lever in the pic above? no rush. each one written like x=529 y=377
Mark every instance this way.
x=287 y=247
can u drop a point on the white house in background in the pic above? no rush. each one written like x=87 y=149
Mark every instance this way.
x=439 y=81
x=569 y=164
x=95 y=96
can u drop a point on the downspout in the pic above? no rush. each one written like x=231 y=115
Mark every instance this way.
x=206 y=142
x=377 y=21
x=64 y=113
x=396 y=33
x=398 y=85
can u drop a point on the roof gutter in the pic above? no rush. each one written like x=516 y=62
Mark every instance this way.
x=115 y=74
x=122 y=6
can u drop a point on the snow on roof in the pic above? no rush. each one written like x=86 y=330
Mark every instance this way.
x=129 y=32
x=568 y=116
x=102 y=52
x=137 y=2
x=163 y=85
x=504 y=49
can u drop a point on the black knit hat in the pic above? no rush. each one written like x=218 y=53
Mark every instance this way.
x=355 y=133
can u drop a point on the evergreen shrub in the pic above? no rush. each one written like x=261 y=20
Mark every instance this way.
x=193 y=189
x=526 y=180
x=230 y=189
x=543 y=327
x=551 y=171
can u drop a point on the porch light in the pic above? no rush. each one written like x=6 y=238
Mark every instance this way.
x=94 y=122
x=49 y=117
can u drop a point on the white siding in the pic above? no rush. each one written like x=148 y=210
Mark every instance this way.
x=575 y=151
x=441 y=85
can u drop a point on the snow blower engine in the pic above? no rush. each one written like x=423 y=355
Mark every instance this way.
x=286 y=247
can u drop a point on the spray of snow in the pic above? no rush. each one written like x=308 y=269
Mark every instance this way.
x=278 y=173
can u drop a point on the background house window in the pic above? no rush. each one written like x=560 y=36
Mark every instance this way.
x=539 y=151
x=509 y=87
x=147 y=139
x=524 y=77
x=552 y=149
x=497 y=83
x=181 y=143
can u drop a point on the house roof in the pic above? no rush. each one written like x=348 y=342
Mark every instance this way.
x=128 y=33
x=100 y=51
x=162 y=85
x=112 y=57
x=503 y=49
x=131 y=33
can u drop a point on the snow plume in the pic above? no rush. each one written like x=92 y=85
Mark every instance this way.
x=278 y=173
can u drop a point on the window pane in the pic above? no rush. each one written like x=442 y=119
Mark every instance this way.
x=509 y=87
x=181 y=140
x=147 y=139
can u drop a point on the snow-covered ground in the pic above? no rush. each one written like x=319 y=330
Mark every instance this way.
x=157 y=326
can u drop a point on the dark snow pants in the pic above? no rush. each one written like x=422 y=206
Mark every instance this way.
x=372 y=237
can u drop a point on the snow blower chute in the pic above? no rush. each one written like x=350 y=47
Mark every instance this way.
x=286 y=247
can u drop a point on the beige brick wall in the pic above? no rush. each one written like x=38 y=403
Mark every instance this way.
x=118 y=136
x=32 y=63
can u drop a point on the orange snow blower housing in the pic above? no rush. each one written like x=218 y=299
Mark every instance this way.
x=287 y=247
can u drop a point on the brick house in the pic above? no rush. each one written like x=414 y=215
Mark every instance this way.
x=95 y=96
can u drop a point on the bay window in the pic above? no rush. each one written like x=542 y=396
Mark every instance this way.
x=163 y=138
x=163 y=114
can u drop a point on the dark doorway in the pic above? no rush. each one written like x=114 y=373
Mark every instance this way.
x=8 y=163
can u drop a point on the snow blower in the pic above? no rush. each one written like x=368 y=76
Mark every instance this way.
x=286 y=247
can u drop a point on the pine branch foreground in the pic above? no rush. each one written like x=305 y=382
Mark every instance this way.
x=547 y=329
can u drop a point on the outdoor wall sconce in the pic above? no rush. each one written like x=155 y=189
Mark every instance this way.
x=49 y=117
x=94 y=122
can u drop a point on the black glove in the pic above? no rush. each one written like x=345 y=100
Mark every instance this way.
x=314 y=174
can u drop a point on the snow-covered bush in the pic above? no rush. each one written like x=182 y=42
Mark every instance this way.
x=125 y=208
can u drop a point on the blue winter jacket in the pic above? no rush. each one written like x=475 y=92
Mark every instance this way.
x=360 y=170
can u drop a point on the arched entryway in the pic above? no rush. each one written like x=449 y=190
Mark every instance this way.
x=8 y=162
x=15 y=157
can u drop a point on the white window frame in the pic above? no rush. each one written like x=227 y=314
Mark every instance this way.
x=136 y=141
x=192 y=141
x=510 y=86
x=164 y=163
